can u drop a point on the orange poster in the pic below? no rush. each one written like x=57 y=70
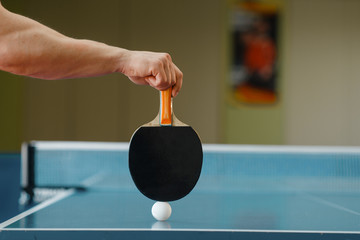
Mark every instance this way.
x=253 y=77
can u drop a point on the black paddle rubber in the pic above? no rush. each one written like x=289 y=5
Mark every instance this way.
x=165 y=161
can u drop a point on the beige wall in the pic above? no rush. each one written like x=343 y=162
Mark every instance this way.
x=322 y=77
x=82 y=109
x=320 y=81
x=190 y=32
x=110 y=108
x=10 y=114
x=11 y=93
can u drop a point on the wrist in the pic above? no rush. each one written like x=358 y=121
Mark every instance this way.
x=121 y=58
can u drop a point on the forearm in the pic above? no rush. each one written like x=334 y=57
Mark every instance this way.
x=34 y=50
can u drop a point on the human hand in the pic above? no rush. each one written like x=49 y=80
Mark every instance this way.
x=154 y=69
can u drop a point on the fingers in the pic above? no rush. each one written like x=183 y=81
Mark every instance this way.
x=178 y=83
x=173 y=77
x=154 y=69
x=166 y=75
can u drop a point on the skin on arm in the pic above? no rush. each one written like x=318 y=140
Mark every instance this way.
x=31 y=49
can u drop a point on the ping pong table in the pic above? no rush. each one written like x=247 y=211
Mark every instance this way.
x=83 y=190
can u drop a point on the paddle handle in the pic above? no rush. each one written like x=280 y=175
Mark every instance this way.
x=165 y=107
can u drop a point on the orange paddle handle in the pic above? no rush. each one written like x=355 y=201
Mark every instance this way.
x=165 y=107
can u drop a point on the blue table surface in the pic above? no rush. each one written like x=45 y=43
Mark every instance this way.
x=303 y=203
x=203 y=210
x=9 y=184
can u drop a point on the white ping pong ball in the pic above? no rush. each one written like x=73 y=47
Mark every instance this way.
x=161 y=211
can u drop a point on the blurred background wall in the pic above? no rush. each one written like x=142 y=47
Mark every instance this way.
x=319 y=79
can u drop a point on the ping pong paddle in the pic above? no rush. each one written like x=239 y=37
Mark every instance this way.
x=165 y=155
